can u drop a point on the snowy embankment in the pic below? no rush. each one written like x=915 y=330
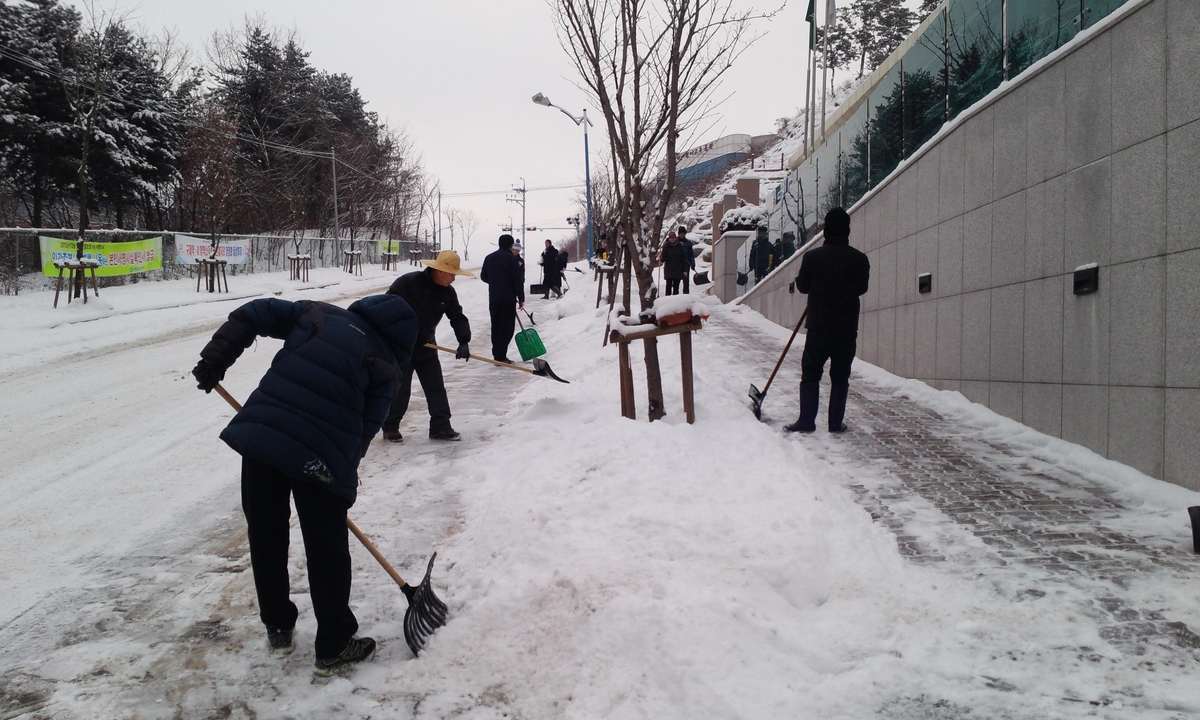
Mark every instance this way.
x=594 y=566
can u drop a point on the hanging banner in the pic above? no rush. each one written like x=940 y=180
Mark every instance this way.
x=115 y=258
x=188 y=249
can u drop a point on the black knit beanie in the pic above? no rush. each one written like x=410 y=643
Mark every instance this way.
x=837 y=223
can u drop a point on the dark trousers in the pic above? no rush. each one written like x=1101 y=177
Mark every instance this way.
x=673 y=285
x=428 y=368
x=504 y=323
x=322 y=514
x=687 y=281
x=837 y=347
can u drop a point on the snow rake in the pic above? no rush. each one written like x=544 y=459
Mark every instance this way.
x=541 y=368
x=426 y=612
x=757 y=396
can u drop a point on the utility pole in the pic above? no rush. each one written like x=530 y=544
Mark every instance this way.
x=520 y=201
x=336 y=229
x=438 y=237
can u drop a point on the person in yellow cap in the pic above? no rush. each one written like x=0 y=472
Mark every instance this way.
x=430 y=294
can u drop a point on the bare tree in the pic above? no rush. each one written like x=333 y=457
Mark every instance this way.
x=651 y=66
x=468 y=223
x=206 y=170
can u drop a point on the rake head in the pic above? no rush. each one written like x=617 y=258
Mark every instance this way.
x=542 y=368
x=756 y=399
x=425 y=613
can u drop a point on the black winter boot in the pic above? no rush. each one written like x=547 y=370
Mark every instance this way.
x=837 y=408
x=810 y=402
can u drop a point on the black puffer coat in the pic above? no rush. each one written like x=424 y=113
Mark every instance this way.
x=431 y=301
x=329 y=388
x=833 y=276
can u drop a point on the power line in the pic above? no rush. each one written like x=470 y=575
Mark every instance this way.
x=477 y=193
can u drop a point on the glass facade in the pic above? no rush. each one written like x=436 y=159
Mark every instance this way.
x=963 y=53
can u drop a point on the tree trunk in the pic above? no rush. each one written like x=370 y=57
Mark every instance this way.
x=654 y=390
x=37 y=199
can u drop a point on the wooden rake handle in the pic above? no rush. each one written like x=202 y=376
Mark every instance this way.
x=370 y=546
x=785 y=351
x=481 y=358
x=349 y=523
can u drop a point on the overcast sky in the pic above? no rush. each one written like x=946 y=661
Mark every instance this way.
x=459 y=75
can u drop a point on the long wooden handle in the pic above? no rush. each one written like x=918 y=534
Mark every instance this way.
x=228 y=398
x=349 y=523
x=518 y=314
x=480 y=357
x=375 y=552
x=785 y=351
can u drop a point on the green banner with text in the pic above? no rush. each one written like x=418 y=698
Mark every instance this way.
x=114 y=258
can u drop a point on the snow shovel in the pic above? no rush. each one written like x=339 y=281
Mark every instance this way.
x=530 y=316
x=529 y=344
x=541 y=368
x=425 y=612
x=757 y=396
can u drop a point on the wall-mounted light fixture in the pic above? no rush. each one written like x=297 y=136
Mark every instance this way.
x=1087 y=279
x=925 y=283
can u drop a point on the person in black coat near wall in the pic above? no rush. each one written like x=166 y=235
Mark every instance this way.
x=302 y=433
x=431 y=297
x=760 y=255
x=691 y=256
x=833 y=276
x=504 y=273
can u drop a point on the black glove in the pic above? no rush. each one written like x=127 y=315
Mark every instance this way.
x=207 y=375
x=463 y=352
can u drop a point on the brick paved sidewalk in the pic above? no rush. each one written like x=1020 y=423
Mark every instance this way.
x=1037 y=527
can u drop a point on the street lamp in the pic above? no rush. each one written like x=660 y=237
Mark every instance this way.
x=541 y=99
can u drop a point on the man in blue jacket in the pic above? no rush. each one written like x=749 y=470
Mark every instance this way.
x=833 y=276
x=504 y=273
x=302 y=433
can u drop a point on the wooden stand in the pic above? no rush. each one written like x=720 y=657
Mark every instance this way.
x=299 y=265
x=604 y=275
x=76 y=278
x=212 y=271
x=353 y=261
x=391 y=260
x=685 y=361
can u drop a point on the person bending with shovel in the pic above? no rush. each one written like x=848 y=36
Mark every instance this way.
x=428 y=292
x=833 y=276
x=302 y=433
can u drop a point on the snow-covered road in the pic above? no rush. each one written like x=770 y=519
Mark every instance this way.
x=594 y=567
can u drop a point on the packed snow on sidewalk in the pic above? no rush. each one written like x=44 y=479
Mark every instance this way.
x=594 y=566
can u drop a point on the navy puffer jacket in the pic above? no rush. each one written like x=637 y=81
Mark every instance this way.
x=328 y=390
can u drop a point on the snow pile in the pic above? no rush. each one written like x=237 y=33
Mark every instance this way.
x=701 y=305
x=594 y=566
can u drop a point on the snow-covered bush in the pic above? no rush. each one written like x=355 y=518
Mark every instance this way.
x=747 y=217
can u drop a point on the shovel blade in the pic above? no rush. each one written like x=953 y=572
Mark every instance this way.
x=426 y=612
x=542 y=368
x=756 y=399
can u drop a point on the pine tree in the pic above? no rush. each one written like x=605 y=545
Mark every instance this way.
x=842 y=46
x=36 y=154
x=880 y=27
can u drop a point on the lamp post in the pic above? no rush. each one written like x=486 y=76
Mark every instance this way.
x=541 y=99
